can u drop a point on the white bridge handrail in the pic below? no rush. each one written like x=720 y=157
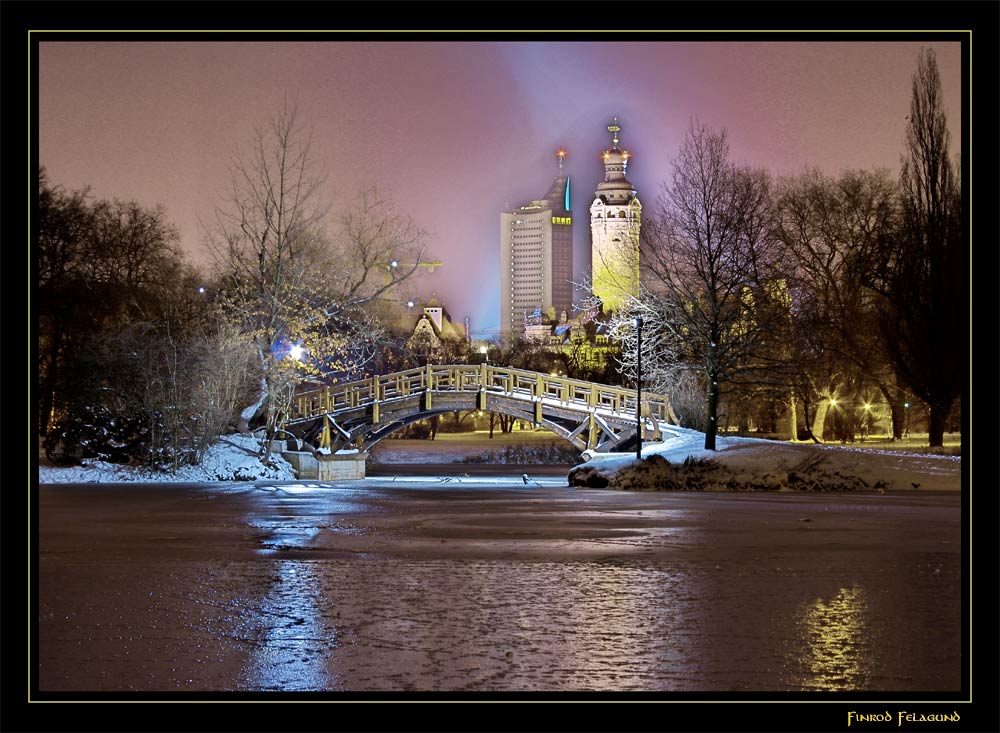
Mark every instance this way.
x=474 y=378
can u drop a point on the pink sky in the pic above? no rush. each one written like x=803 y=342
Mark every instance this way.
x=458 y=131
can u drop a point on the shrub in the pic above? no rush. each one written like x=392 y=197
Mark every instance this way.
x=547 y=454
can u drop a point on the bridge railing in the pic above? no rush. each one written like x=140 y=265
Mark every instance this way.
x=533 y=386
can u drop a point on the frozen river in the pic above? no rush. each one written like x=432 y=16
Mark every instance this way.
x=482 y=583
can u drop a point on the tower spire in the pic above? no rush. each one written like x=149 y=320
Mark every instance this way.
x=561 y=156
x=614 y=129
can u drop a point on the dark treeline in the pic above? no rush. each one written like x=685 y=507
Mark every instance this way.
x=132 y=361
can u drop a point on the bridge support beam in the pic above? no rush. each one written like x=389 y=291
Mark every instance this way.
x=574 y=437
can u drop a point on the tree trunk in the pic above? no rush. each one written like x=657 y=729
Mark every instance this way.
x=936 y=423
x=897 y=407
x=785 y=426
x=819 y=420
x=243 y=423
x=791 y=422
x=711 y=421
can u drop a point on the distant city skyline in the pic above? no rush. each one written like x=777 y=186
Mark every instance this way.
x=457 y=131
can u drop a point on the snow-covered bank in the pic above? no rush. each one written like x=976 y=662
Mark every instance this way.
x=755 y=462
x=232 y=458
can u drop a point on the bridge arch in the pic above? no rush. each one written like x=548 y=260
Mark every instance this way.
x=371 y=437
x=364 y=434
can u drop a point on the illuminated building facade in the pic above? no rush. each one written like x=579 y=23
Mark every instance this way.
x=536 y=257
x=435 y=336
x=614 y=229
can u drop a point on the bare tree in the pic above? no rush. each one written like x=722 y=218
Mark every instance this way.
x=196 y=371
x=63 y=227
x=920 y=273
x=836 y=354
x=707 y=255
x=663 y=353
x=298 y=283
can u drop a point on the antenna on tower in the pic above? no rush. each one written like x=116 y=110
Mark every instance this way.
x=614 y=129
x=561 y=156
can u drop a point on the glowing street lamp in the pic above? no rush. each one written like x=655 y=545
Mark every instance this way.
x=296 y=352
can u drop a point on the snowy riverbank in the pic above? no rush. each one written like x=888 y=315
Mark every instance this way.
x=755 y=461
x=234 y=458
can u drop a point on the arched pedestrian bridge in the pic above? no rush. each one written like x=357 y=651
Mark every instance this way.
x=359 y=414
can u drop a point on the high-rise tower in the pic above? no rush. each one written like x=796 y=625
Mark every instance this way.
x=536 y=257
x=614 y=230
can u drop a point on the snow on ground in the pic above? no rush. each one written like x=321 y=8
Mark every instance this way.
x=234 y=458
x=750 y=457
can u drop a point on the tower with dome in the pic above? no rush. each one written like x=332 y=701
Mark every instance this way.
x=615 y=218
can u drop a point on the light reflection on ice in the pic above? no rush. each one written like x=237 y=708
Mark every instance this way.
x=296 y=488
x=294 y=643
x=834 y=643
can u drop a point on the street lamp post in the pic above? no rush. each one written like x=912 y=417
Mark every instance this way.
x=638 y=388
